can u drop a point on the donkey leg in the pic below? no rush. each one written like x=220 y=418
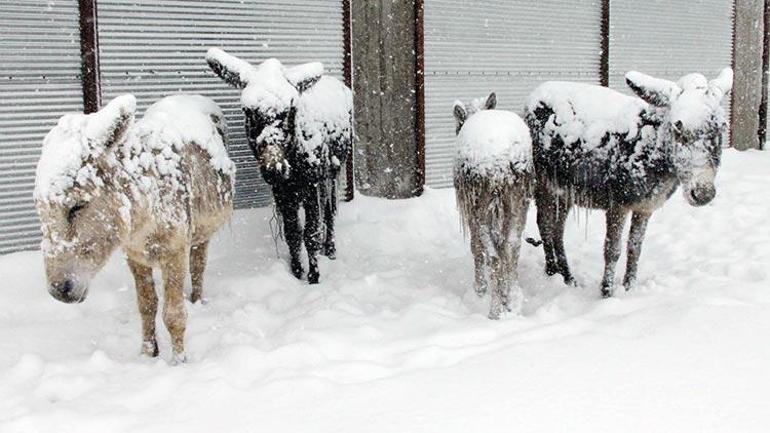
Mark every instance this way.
x=546 y=210
x=147 y=300
x=516 y=295
x=481 y=281
x=198 y=255
x=312 y=233
x=616 y=219
x=562 y=212
x=330 y=211
x=174 y=312
x=288 y=206
x=635 y=239
x=497 y=302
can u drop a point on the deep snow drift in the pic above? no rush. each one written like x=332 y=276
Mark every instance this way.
x=395 y=340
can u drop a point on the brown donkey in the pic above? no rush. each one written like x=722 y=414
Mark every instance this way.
x=158 y=189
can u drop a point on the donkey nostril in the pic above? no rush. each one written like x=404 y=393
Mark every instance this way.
x=65 y=287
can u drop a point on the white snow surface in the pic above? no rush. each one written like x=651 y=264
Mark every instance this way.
x=394 y=340
x=491 y=142
x=588 y=112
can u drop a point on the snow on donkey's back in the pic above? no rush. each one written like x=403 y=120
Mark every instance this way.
x=158 y=188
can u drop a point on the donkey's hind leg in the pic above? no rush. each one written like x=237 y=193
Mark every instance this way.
x=546 y=224
x=147 y=300
x=329 y=205
x=563 y=207
x=198 y=253
x=481 y=270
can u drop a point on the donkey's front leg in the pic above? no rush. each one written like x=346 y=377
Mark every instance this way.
x=287 y=201
x=147 y=300
x=174 y=312
x=616 y=219
x=635 y=239
x=312 y=232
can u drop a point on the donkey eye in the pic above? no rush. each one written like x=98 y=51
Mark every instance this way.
x=72 y=213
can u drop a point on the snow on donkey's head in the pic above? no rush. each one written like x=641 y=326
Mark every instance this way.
x=79 y=220
x=694 y=123
x=269 y=98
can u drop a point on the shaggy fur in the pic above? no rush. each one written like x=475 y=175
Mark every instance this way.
x=624 y=172
x=493 y=210
x=300 y=143
x=160 y=204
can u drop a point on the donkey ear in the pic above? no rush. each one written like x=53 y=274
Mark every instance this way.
x=655 y=91
x=491 y=102
x=231 y=69
x=721 y=85
x=109 y=125
x=460 y=115
x=303 y=77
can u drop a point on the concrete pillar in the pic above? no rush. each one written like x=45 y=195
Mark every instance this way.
x=747 y=86
x=386 y=107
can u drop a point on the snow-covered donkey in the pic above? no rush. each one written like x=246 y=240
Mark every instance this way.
x=492 y=178
x=597 y=148
x=158 y=188
x=298 y=124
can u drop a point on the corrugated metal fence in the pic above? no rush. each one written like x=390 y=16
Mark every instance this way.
x=39 y=80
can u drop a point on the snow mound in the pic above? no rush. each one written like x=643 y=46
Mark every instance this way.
x=587 y=112
x=493 y=142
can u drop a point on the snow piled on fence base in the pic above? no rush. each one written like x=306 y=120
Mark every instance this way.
x=394 y=340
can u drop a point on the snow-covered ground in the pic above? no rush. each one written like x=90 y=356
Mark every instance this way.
x=394 y=340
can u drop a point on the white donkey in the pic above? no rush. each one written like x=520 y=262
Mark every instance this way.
x=159 y=189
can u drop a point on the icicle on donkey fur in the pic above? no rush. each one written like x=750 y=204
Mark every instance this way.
x=492 y=178
x=597 y=148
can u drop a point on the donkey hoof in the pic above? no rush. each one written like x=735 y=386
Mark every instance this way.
x=329 y=251
x=494 y=315
x=606 y=292
x=150 y=348
x=196 y=296
x=629 y=284
x=551 y=270
x=312 y=277
x=296 y=270
x=480 y=290
x=179 y=358
x=571 y=281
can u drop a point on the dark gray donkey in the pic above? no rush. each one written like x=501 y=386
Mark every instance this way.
x=597 y=148
x=298 y=124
